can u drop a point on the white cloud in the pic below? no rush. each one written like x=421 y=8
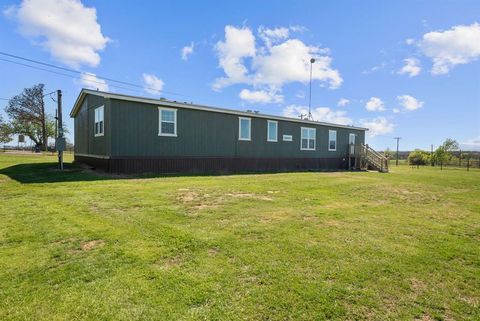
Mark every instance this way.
x=239 y=44
x=152 y=84
x=289 y=62
x=323 y=114
x=300 y=94
x=260 y=96
x=472 y=144
x=375 y=68
x=396 y=110
x=343 y=102
x=279 y=62
x=67 y=29
x=458 y=45
x=187 y=51
x=410 y=41
x=377 y=126
x=375 y=104
x=409 y=103
x=270 y=36
x=89 y=80
x=412 y=67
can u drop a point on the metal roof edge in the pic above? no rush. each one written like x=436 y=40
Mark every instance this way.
x=170 y=103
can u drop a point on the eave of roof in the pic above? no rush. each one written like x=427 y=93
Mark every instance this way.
x=170 y=103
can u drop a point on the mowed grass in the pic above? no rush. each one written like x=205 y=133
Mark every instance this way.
x=288 y=246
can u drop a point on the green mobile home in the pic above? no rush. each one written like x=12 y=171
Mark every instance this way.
x=128 y=134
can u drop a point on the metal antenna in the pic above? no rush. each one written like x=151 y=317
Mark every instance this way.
x=312 y=60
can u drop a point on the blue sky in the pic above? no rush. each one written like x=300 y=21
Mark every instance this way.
x=408 y=69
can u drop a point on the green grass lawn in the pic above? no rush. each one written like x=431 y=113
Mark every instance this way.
x=289 y=246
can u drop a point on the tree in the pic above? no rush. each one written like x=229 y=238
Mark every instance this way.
x=450 y=145
x=5 y=132
x=444 y=152
x=27 y=112
x=418 y=157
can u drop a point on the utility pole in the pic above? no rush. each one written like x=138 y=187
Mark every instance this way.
x=60 y=139
x=44 y=127
x=312 y=60
x=431 y=155
x=398 y=139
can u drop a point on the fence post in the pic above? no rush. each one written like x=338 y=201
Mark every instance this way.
x=468 y=164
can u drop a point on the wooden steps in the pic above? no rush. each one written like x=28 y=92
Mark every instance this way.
x=363 y=157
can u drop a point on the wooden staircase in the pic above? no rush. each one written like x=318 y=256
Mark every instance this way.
x=363 y=157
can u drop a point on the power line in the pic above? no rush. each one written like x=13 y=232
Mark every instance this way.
x=67 y=75
x=85 y=74
x=61 y=74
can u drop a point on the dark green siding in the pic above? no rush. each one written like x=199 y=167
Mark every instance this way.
x=85 y=140
x=133 y=130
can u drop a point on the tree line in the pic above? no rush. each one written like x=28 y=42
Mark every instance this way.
x=447 y=153
x=27 y=116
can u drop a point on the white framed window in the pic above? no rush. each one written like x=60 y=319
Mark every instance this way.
x=307 y=141
x=99 y=121
x=244 y=128
x=272 y=131
x=287 y=138
x=332 y=140
x=167 y=121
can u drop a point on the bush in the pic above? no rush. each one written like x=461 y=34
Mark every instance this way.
x=418 y=157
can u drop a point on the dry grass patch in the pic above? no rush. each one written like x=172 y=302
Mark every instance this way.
x=90 y=245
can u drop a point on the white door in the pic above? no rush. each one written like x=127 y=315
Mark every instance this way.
x=351 y=143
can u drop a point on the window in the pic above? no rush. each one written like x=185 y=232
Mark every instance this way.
x=332 y=140
x=244 y=128
x=168 y=122
x=272 y=128
x=99 y=123
x=287 y=138
x=307 y=141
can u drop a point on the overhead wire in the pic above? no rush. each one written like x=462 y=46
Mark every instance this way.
x=83 y=75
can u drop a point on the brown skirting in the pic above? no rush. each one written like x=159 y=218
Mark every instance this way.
x=211 y=164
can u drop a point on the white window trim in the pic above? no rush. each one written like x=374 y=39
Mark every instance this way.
x=240 y=128
x=330 y=149
x=314 y=138
x=95 y=121
x=276 y=130
x=160 y=122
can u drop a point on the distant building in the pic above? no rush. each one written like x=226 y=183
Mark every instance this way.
x=128 y=134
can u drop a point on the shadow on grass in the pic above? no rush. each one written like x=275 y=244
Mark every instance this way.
x=48 y=173
x=34 y=173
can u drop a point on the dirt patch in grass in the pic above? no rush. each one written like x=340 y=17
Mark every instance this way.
x=249 y=195
x=90 y=245
x=199 y=200
x=213 y=251
x=169 y=263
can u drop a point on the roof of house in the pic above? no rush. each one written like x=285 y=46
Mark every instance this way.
x=170 y=103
